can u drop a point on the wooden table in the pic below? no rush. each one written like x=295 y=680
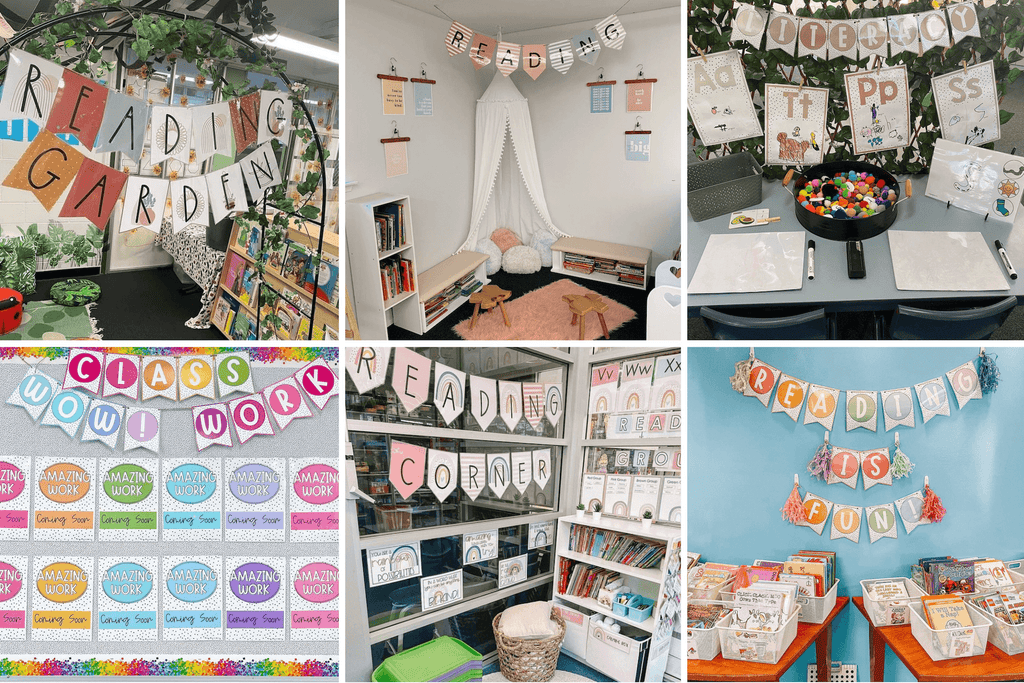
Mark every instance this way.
x=487 y=298
x=721 y=669
x=994 y=665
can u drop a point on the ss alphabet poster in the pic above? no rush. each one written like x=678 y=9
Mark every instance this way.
x=968 y=104
x=794 y=124
x=879 y=104
x=718 y=99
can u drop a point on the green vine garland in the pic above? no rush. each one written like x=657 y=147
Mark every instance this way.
x=1002 y=41
x=200 y=42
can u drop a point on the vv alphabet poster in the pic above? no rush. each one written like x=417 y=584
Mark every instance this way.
x=879 y=104
x=794 y=127
x=968 y=104
x=718 y=99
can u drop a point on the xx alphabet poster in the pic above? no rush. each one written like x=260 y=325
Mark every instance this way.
x=968 y=105
x=879 y=105
x=795 y=124
x=718 y=99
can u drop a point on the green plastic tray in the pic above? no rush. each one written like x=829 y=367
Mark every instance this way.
x=430 y=661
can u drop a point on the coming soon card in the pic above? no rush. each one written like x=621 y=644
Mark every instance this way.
x=15 y=491
x=254 y=499
x=313 y=500
x=128 y=499
x=193 y=601
x=126 y=600
x=14 y=588
x=65 y=506
x=314 y=600
x=191 y=499
x=254 y=600
x=62 y=604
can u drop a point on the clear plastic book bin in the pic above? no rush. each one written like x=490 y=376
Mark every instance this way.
x=950 y=643
x=1007 y=637
x=812 y=610
x=703 y=643
x=749 y=645
x=890 y=612
x=710 y=593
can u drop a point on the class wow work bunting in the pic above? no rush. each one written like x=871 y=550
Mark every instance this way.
x=77 y=409
x=487 y=400
x=864 y=409
x=63 y=102
x=585 y=46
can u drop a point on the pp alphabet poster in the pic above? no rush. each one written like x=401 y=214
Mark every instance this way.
x=968 y=104
x=879 y=104
x=718 y=99
x=794 y=124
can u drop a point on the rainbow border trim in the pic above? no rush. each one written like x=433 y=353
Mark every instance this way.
x=326 y=668
x=259 y=354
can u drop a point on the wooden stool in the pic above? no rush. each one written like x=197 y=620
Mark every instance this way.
x=488 y=297
x=581 y=305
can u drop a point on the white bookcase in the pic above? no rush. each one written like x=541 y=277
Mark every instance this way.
x=611 y=655
x=373 y=313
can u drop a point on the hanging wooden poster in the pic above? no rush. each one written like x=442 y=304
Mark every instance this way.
x=794 y=127
x=879 y=104
x=968 y=104
x=718 y=99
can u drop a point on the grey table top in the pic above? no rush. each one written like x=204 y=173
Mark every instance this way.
x=831 y=287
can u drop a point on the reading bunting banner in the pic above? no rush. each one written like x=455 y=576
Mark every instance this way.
x=487 y=398
x=586 y=45
x=91 y=371
x=821 y=403
x=847 y=519
x=63 y=102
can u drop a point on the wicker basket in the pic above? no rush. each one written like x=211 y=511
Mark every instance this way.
x=529 y=660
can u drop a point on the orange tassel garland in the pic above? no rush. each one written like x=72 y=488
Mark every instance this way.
x=932 y=509
x=793 y=511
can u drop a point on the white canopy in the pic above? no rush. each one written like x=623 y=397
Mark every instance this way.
x=504 y=197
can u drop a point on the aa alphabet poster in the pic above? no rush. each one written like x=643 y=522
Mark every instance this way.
x=718 y=99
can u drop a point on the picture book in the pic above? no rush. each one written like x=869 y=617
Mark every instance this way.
x=950 y=618
x=990 y=574
x=758 y=609
x=787 y=590
x=704 y=616
x=234 y=269
x=816 y=569
x=1013 y=603
x=803 y=582
x=253 y=246
x=288 y=320
x=746 y=576
x=891 y=602
x=326 y=278
x=830 y=559
x=274 y=258
x=296 y=262
x=767 y=563
x=220 y=313
x=950 y=577
x=249 y=280
x=240 y=328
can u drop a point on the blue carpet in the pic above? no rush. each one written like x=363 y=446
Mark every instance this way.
x=565 y=663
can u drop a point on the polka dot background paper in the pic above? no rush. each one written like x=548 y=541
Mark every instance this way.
x=255 y=596
x=62 y=588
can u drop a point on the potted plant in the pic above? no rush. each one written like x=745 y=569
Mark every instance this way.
x=647 y=520
x=597 y=512
x=580 y=509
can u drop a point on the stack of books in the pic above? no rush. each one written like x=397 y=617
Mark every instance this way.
x=396 y=276
x=948 y=614
x=390 y=223
x=632 y=551
x=578 y=263
x=605 y=265
x=628 y=272
x=890 y=602
x=583 y=580
x=437 y=305
x=944 y=575
x=704 y=616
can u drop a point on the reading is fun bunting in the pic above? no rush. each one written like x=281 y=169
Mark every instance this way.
x=861 y=410
x=910 y=508
x=964 y=380
x=844 y=466
x=817 y=509
x=821 y=405
x=933 y=398
x=876 y=467
x=846 y=521
x=881 y=521
x=790 y=396
x=761 y=381
x=898 y=408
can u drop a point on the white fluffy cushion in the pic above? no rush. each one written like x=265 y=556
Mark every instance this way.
x=532 y=620
x=542 y=242
x=486 y=246
x=521 y=260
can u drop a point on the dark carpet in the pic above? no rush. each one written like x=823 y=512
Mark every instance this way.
x=521 y=284
x=141 y=305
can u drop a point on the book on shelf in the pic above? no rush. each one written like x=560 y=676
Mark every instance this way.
x=633 y=551
x=296 y=263
x=396 y=276
x=326 y=278
x=250 y=280
x=389 y=220
x=273 y=258
x=221 y=309
x=583 y=580
x=234 y=270
x=288 y=318
x=241 y=326
x=950 y=576
x=949 y=616
x=747 y=575
x=252 y=248
x=989 y=574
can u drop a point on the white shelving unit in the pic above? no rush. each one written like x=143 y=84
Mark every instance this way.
x=373 y=313
x=646 y=582
x=637 y=256
x=434 y=281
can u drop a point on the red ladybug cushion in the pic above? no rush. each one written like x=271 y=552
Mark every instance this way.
x=10 y=309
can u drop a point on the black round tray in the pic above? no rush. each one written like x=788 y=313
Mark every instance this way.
x=837 y=228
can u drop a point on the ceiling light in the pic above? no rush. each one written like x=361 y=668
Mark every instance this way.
x=302 y=47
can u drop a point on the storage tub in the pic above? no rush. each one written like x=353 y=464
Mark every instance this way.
x=882 y=611
x=441 y=659
x=622 y=656
x=953 y=643
x=812 y=610
x=749 y=645
x=703 y=643
x=619 y=609
x=639 y=608
x=722 y=185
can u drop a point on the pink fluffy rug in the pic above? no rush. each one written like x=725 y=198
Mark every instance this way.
x=541 y=314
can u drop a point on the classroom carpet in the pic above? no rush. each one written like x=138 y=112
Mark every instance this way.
x=541 y=314
x=139 y=305
x=634 y=299
x=568 y=670
x=47 y=321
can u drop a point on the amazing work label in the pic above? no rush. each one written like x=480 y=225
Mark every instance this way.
x=128 y=499
x=193 y=600
x=254 y=499
x=14 y=588
x=62 y=604
x=191 y=499
x=313 y=499
x=127 y=599
x=15 y=491
x=314 y=585
x=66 y=498
x=254 y=600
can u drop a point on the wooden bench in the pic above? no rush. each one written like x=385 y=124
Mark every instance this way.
x=435 y=280
x=635 y=256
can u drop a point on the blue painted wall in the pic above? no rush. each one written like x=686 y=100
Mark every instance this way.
x=741 y=459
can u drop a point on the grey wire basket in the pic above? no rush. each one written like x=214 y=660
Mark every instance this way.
x=719 y=186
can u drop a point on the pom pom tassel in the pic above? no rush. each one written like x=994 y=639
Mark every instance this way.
x=988 y=373
x=932 y=509
x=819 y=464
x=901 y=465
x=793 y=511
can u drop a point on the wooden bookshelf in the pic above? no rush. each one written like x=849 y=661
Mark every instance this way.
x=374 y=313
x=638 y=257
x=436 y=280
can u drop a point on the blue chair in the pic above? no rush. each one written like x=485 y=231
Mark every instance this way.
x=813 y=324
x=909 y=322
